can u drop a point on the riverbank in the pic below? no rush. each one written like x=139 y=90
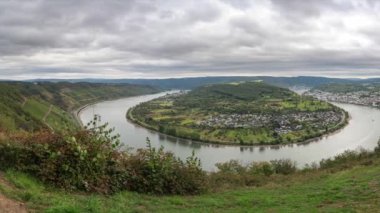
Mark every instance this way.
x=77 y=112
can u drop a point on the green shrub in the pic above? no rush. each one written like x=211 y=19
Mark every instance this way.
x=155 y=171
x=90 y=160
x=377 y=149
x=233 y=173
x=264 y=168
x=232 y=167
x=284 y=166
x=82 y=160
x=346 y=159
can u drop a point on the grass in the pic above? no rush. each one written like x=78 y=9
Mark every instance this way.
x=349 y=190
x=57 y=119
x=36 y=108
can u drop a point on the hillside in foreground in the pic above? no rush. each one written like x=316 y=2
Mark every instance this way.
x=240 y=113
x=349 y=184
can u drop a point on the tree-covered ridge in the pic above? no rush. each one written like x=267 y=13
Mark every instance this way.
x=249 y=91
x=242 y=113
x=241 y=98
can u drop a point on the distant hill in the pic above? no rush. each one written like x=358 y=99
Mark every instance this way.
x=231 y=94
x=32 y=106
x=190 y=83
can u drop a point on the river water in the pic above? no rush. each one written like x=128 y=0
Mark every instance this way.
x=363 y=131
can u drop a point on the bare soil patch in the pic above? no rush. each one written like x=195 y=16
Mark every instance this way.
x=8 y=205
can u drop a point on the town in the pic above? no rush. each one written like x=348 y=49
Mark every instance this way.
x=282 y=124
x=366 y=98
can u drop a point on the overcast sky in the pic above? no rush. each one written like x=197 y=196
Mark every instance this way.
x=150 y=39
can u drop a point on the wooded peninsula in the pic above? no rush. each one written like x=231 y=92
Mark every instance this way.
x=245 y=113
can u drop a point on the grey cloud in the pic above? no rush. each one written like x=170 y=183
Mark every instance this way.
x=310 y=8
x=239 y=4
x=154 y=38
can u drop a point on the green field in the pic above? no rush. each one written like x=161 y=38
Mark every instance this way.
x=56 y=118
x=186 y=115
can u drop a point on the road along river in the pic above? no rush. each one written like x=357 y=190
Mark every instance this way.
x=362 y=131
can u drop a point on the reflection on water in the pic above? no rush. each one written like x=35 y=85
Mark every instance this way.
x=362 y=131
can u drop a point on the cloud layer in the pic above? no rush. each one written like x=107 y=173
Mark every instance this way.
x=133 y=39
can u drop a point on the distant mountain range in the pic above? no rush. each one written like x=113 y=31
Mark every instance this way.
x=190 y=83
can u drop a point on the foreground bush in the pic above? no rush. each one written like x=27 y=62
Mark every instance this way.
x=284 y=167
x=153 y=170
x=233 y=173
x=81 y=160
x=90 y=160
x=350 y=158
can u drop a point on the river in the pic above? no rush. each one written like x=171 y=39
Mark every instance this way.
x=362 y=131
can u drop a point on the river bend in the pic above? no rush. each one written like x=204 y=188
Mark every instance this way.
x=362 y=131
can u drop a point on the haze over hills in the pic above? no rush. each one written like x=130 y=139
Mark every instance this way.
x=190 y=83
